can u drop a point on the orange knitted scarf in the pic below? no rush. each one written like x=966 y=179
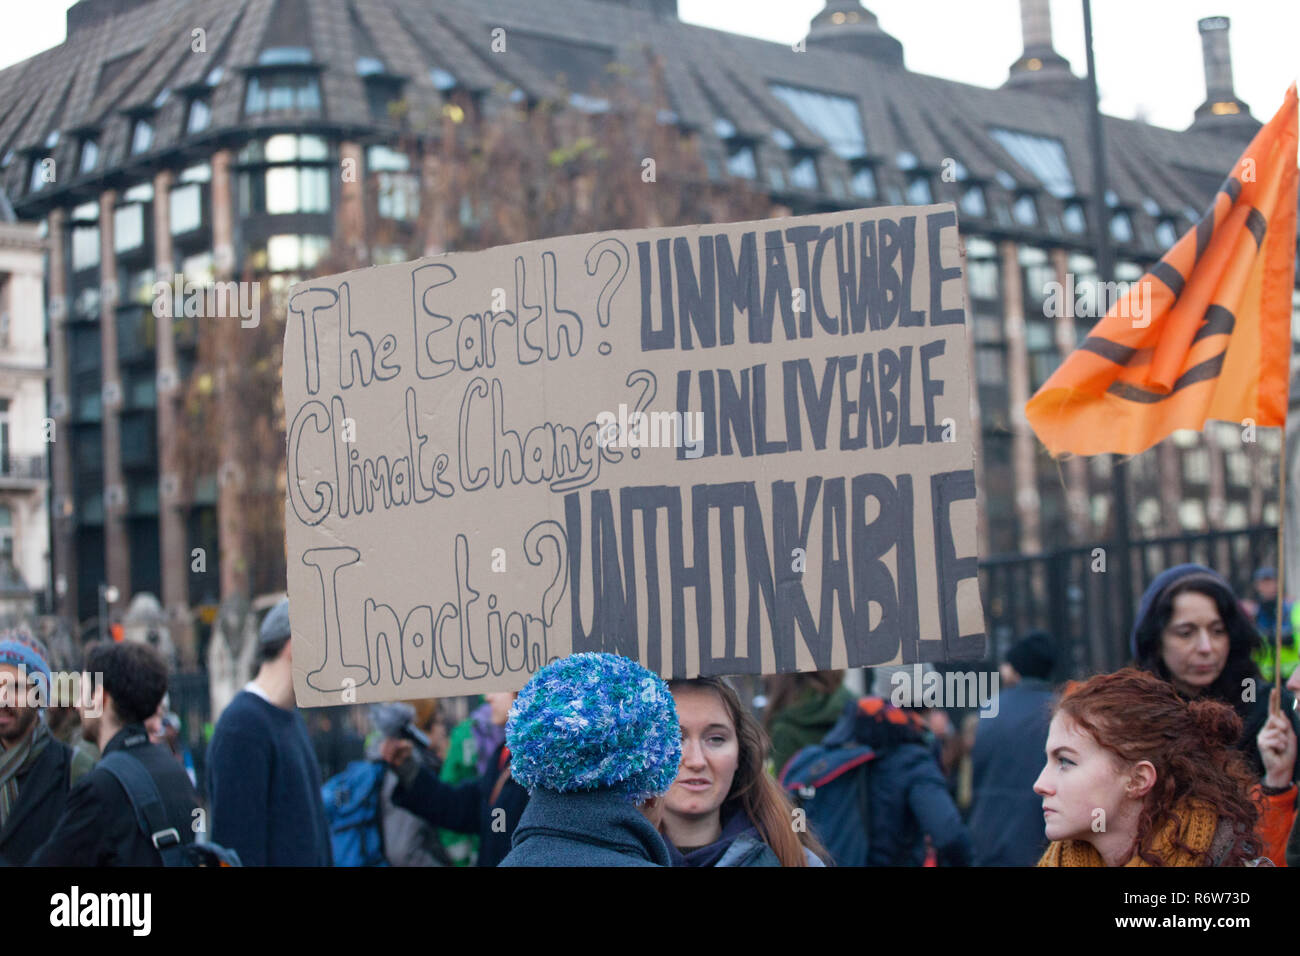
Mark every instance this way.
x=1197 y=830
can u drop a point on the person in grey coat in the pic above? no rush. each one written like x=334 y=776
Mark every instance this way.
x=595 y=740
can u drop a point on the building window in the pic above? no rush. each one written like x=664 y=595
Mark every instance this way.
x=138 y=441
x=1024 y=211
x=285 y=148
x=269 y=92
x=1121 y=227
x=128 y=227
x=864 y=183
x=982 y=277
x=1238 y=467
x=1196 y=466
x=803 y=174
x=279 y=55
x=441 y=79
x=292 y=189
x=290 y=253
x=1041 y=156
x=589 y=104
x=294 y=178
x=991 y=366
x=1166 y=234
x=835 y=119
x=386 y=255
x=1076 y=221
x=141 y=137
x=186 y=208
x=4 y=436
x=89 y=155
x=39 y=167
x=398 y=190
x=200 y=117
x=918 y=190
x=972 y=202
x=1191 y=515
x=90 y=453
x=86 y=305
x=85 y=247
x=199 y=269
x=384 y=97
x=740 y=161
x=1037 y=272
x=140 y=388
x=6 y=530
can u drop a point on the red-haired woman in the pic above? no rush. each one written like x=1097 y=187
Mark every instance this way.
x=1138 y=776
x=724 y=809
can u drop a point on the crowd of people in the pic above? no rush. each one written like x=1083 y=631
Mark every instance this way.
x=1186 y=757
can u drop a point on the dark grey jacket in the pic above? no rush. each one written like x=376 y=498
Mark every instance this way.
x=596 y=828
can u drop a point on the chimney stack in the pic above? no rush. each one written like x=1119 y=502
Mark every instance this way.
x=846 y=26
x=1222 y=112
x=1036 y=23
x=1040 y=68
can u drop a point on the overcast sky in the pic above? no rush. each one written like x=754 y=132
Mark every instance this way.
x=1148 y=51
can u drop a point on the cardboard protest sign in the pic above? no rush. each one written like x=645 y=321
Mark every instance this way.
x=717 y=449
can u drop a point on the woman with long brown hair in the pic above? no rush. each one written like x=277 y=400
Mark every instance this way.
x=1138 y=776
x=724 y=809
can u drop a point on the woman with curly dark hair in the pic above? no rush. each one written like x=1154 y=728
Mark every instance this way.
x=1192 y=632
x=1138 y=776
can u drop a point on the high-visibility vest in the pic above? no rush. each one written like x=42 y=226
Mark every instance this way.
x=1290 y=648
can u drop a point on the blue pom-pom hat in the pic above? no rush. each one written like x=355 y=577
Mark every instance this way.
x=595 y=722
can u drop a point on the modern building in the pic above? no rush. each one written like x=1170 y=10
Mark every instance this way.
x=26 y=431
x=197 y=135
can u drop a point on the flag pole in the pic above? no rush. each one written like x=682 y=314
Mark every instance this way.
x=1101 y=225
x=1275 y=698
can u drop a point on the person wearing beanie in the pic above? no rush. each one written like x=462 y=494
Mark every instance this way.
x=35 y=766
x=595 y=740
x=1006 y=820
x=1191 y=631
x=263 y=777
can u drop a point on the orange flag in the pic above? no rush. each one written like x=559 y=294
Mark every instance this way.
x=1205 y=334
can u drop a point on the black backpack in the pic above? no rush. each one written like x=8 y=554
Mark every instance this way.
x=151 y=816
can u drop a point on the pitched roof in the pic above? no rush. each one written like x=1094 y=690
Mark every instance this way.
x=105 y=75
